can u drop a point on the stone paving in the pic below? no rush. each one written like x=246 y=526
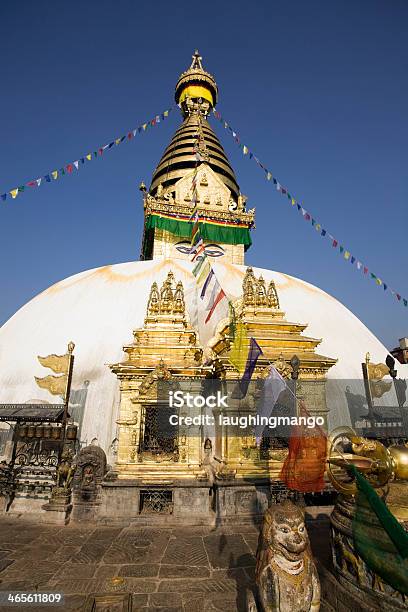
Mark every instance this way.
x=189 y=569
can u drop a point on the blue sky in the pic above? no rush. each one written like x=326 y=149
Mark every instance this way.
x=318 y=90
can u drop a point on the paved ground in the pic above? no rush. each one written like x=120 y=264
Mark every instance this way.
x=189 y=569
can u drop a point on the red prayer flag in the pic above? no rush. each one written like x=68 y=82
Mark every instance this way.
x=305 y=464
x=214 y=306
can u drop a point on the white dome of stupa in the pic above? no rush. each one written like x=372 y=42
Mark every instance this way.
x=99 y=309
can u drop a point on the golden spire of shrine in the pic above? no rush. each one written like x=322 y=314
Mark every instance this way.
x=196 y=93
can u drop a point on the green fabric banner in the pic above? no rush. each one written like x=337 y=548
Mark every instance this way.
x=378 y=537
x=209 y=232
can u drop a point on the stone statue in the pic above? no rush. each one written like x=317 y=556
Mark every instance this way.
x=65 y=471
x=90 y=470
x=285 y=574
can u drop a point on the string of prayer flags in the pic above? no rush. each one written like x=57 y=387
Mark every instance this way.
x=308 y=217
x=69 y=168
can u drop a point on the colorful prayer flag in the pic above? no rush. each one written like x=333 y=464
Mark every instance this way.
x=303 y=469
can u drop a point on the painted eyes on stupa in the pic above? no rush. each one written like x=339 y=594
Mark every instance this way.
x=212 y=250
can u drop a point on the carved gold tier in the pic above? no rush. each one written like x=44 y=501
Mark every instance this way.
x=259 y=311
x=165 y=349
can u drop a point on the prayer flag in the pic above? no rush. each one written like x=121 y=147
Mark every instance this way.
x=239 y=350
x=55 y=175
x=221 y=295
x=3 y=196
x=14 y=193
x=254 y=353
x=47 y=178
x=89 y=156
x=303 y=469
x=206 y=283
x=390 y=562
x=233 y=322
x=273 y=386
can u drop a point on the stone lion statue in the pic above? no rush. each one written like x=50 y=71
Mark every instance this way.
x=285 y=574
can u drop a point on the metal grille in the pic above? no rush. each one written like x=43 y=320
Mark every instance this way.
x=156 y=501
x=159 y=437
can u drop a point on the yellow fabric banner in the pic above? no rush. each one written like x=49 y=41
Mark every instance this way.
x=197 y=91
x=239 y=351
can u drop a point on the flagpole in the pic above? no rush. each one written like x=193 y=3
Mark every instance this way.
x=71 y=347
x=369 y=398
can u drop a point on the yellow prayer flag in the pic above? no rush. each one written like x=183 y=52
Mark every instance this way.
x=239 y=350
x=293 y=201
x=204 y=272
x=56 y=385
x=269 y=176
x=54 y=174
x=89 y=156
x=57 y=363
x=245 y=150
x=14 y=193
x=317 y=227
x=166 y=113
x=346 y=254
x=378 y=281
x=144 y=126
x=117 y=141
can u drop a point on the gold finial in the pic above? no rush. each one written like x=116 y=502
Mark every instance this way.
x=196 y=63
x=142 y=187
x=71 y=346
x=367 y=358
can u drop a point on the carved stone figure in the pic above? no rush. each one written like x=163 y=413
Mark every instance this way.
x=65 y=471
x=90 y=471
x=285 y=574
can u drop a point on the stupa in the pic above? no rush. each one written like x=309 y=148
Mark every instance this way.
x=135 y=324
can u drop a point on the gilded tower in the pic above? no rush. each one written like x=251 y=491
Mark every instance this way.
x=195 y=153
